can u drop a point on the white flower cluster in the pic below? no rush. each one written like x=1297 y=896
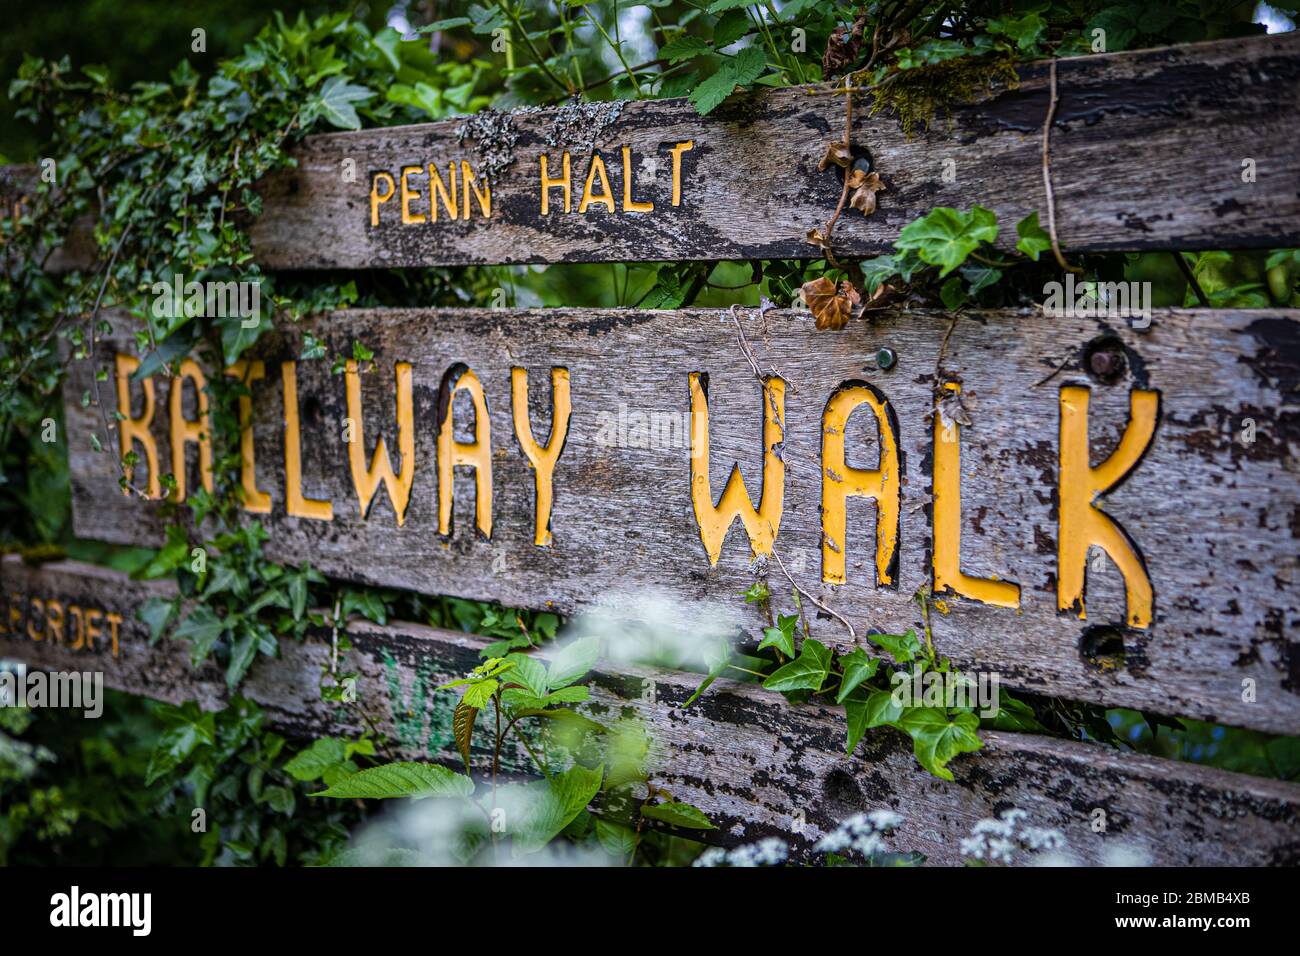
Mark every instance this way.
x=766 y=852
x=861 y=833
x=999 y=839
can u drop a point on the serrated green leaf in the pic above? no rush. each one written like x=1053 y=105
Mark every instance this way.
x=678 y=815
x=615 y=839
x=683 y=48
x=406 y=779
x=572 y=662
x=312 y=763
x=537 y=812
x=530 y=673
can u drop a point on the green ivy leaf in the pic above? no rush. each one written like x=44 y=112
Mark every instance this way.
x=1024 y=30
x=945 y=237
x=808 y=671
x=158 y=613
x=312 y=763
x=237 y=334
x=406 y=779
x=864 y=711
x=731 y=26
x=903 y=647
x=569 y=718
x=335 y=102
x=936 y=739
x=858 y=667
x=188 y=727
x=782 y=636
x=1033 y=241
x=201 y=628
x=678 y=815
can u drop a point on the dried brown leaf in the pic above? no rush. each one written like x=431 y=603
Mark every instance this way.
x=864 y=192
x=832 y=306
x=837 y=154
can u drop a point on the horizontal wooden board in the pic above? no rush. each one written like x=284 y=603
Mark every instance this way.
x=1212 y=506
x=753 y=762
x=1149 y=151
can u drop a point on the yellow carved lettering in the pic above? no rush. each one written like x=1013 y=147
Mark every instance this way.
x=114 y=619
x=184 y=431
x=93 y=630
x=377 y=200
x=839 y=482
x=677 y=168
x=1082 y=524
x=476 y=454
x=54 y=621
x=255 y=501
x=630 y=204
x=366 y=480
x=948 y=575
x=484 y=198
x=131 y=430
x=606 y=196
x=562 y=182
x=37 y=614
x=438 y=191
x=408 y=217
x=295 y=505
x=542 y=459
x=761 y=525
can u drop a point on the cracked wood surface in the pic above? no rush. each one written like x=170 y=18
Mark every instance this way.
x=1215 y=518
x=745 y=756
x=1147 y=153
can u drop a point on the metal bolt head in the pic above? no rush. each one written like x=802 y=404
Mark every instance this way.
x=886 y=358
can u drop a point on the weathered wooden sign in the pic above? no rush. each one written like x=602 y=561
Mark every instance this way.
x=1192 y=147
x=755 y=764
x=655 y=181
x=1109 y=513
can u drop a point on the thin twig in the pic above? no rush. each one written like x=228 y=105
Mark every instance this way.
x=1191 y=279
x=844 y=193
x=853 y=635
x=1047 y=175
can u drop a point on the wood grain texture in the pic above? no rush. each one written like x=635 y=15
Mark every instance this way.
x=745 y=756
x=1147 y=153
x=1214 y=518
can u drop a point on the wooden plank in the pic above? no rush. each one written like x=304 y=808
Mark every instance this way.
x=745 y=756
x=1213 y=518
x=1147 y=153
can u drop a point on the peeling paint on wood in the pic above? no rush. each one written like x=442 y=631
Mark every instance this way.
x=1209 y=519
x=753 y=762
